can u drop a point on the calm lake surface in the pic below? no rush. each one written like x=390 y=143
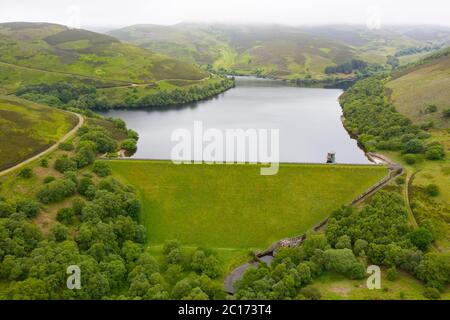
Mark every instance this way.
x=308 y=119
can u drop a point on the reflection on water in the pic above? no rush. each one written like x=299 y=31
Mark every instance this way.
x=309 y=121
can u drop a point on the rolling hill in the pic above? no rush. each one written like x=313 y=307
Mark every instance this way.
x=52 y=64
x=233 y=206
x=280 y=51
x=27 y=129
x=417 y=89
x=76 y=52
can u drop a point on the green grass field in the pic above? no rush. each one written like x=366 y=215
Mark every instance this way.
x=27 y=128
x=426 y=84
x=336 y=287
x=233 y=206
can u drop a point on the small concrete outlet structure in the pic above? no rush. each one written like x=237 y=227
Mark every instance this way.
x=331 y=157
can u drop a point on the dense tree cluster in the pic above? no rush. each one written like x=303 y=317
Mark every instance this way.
x=347 y=67
x=294 y=269
x=130 y=146
x=377 y=234
x=165 y=279
x=373 y=119
x=57 y=94
x=416 y=50
x=98 y=230
x=37 y=266
x=446 y=113
x=388 y=240
x=56 y=191
x=434 y=151
x=101 y=169
x=96 y=138
x=93 y=140
x=176 y=97
x=86 y=97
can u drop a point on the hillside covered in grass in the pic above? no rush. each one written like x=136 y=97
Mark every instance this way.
x=75 y=51
x=301 y=54
x=393 y=115
x=233 y=206
x=56 y=65
x=27 y=128
x=422 y=92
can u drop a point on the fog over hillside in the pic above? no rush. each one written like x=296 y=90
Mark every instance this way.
x=116 y=13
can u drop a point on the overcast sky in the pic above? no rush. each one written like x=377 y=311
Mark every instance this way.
x=89 y=13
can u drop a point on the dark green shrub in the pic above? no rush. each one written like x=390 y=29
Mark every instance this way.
x=56 y=191
x=71 y=175
x=207 y=264
x=344 y=242
x=49 y=179
x=131 y=134
x=130 y=146
x=58 y=233
x=84 y=157
x=77 y=206
x=392 y=274
x=434 y=151
x=432 y=294
x=414 y=146
x=171 y=245
x=66 y=146
x=360 y=246
x=434 y=270
x=65 y=164
x=311 y=293
x=6 y=209
x=90 y=192
x=26 y=173
x=119 y=124
x=432 y=190
x=84 y=185
x=421 y=238
x=88 y=145
x=400 y=180
x=409 y=159
x=104 y=143
x=427 y=125
x=65 y=215
x=431 y=108
x=343 y=261
x=44 y=163
x=101 y=169
x=29 y=207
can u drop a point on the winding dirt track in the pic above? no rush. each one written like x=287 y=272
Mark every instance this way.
x=408 y=185
x=411 y=217
x=118 y=83
x=68 y=135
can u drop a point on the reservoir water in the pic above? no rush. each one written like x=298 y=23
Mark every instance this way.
x=308 y=119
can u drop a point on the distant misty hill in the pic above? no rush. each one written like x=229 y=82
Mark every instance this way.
x=33 y=47
x=59 y=66
x=421 y=90
x=288 y=52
